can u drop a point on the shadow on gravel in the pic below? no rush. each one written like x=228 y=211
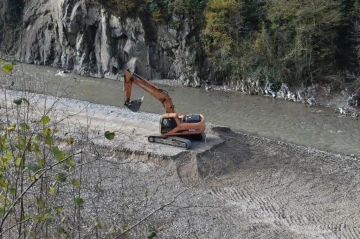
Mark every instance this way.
x=223 y=159
x=227 y=157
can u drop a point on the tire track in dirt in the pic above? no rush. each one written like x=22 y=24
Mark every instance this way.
x=342 y=230
x=275 y=188
x=352 y=233
x=272 y=230
x=272 y=212
x=277 y=183
x=268 y=207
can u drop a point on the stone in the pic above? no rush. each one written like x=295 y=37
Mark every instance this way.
x=197 y=81
x=81 y=35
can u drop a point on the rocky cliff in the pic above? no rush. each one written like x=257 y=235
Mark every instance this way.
x=85 y=37
x=81 y=35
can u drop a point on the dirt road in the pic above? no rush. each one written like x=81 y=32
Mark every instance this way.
x=231 y=186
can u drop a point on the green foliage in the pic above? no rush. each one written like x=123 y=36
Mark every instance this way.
x=75 y=182
x=124 y=8
x=79 y=201
x=45 y=120
x=152 y=233
x=70 y=141
x=290 y=41
x=193 y=9
x=59 y=155
x=24 y=126
x=99 y=224
x=109 y=135
x=231 y=27
x=20 y=100
x=7 y=68
x=20 y=161
x=155 y=5
x=217 y=35
x=40 y=203
x=31 y=170
x=61 y=177
x=304 y=34
x=160 y=9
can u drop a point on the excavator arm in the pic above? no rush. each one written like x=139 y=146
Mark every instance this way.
x=131 y=78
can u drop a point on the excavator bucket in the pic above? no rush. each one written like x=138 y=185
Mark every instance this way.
x=134 y=105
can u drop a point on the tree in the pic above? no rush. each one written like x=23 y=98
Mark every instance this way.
x=303 y=35
x=33 y=169
x=229 y=33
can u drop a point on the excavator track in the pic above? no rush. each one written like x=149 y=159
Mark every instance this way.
x=170 y=140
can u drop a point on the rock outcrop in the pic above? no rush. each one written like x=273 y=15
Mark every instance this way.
x=84 y=37
x=81 y=35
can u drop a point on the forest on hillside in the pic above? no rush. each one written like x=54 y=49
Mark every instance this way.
x=298 y=42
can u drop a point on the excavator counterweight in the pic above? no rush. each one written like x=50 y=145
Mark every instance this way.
x=175 y=129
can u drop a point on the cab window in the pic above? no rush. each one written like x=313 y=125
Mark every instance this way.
x=168 y=124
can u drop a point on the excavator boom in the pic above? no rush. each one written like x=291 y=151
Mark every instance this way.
x=131 y=78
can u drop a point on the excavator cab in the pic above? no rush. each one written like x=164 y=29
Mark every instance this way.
x=167 y=124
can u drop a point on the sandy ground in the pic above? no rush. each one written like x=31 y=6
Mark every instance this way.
x=230 y=186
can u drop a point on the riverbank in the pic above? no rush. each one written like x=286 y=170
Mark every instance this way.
x=341 y=101
x=312 y=126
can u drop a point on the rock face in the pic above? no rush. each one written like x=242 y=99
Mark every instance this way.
x=80 y=35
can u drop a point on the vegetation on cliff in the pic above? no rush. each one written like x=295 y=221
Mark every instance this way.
x=279 y=41
x=291 y=41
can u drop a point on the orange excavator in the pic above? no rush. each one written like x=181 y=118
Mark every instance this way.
x=175 y=129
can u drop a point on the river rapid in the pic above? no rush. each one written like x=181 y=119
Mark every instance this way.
x=297 y=123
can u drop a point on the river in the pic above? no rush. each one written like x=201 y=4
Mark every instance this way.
x=317 y=127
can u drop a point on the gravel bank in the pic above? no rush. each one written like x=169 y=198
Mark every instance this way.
x=232 y=186
x=131 y=129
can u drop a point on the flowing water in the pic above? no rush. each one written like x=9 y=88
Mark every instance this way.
x=287 y=121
